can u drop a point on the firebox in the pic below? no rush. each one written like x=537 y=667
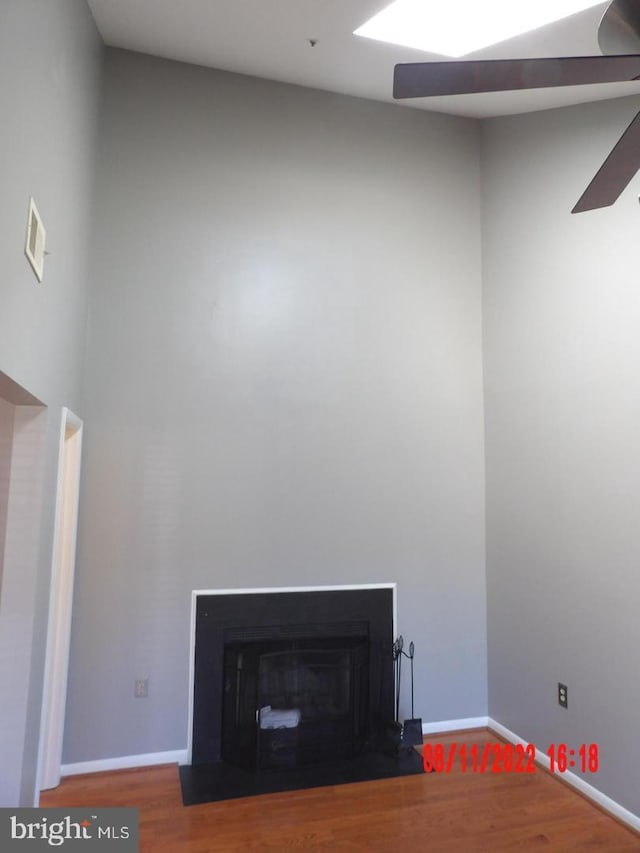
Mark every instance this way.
x=296 y=701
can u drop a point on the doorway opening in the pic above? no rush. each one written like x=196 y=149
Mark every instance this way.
x=23 y=421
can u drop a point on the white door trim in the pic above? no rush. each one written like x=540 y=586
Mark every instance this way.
x=54 y=694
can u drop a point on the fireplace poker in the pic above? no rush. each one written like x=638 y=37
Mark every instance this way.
x=412 y=729
x=399 y=653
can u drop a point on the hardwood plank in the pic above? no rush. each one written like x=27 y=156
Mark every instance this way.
x=457 y=812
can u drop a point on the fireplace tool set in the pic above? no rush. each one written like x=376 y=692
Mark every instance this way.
x=408 y=734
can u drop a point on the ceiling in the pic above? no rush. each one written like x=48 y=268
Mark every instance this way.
x=270 y=39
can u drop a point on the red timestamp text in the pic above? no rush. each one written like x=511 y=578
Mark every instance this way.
x=562 y=758
x=506 y=758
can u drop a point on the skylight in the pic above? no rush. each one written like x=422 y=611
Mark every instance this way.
x=455 y=29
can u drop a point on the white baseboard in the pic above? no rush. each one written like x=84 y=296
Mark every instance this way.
x=455 y=725
x=180 y=756
x=151 y=759
x=577 y=782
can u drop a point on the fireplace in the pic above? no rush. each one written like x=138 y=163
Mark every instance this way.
x=290 y=679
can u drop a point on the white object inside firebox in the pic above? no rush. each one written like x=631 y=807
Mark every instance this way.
x=279 y=718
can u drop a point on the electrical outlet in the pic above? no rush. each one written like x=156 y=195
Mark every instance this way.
x=141 y=688
x=562 y=695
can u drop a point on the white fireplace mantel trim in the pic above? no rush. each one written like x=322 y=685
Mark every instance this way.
x=266 y=590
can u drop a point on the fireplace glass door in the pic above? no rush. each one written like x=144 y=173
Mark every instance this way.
x=294 y=703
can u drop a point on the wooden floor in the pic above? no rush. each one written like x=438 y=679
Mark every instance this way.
x=432 y=812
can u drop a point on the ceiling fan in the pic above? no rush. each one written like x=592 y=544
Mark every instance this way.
x=619 y=41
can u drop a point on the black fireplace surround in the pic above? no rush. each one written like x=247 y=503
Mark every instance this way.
x=326 y=653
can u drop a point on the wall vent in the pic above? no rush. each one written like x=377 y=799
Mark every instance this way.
x=36 y=236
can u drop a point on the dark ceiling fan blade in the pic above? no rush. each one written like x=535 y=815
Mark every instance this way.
x=615 y=173
x=619 y=28
x=468 y=77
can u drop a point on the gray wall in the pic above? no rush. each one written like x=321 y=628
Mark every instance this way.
x=562 y=394
x=50 y=64
x=283 y=381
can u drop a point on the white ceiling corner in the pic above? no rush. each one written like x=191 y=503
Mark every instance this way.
x=270 y=39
